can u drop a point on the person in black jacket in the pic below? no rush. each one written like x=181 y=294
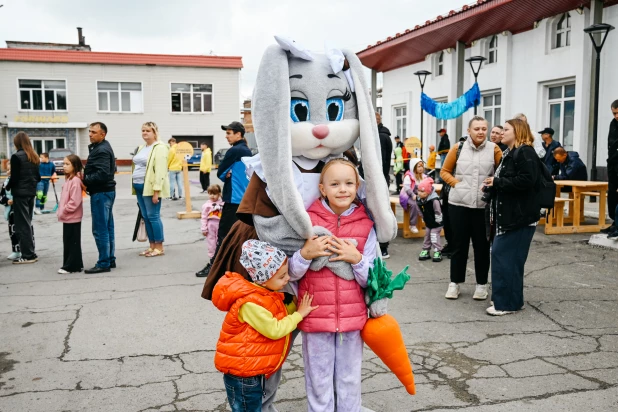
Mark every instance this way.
x=386 y=147
x=444 y=146
x=24 y=178
x=231 y=171
x=571 y=167
x=98 y=181
x=515 y=212
x=612 y=171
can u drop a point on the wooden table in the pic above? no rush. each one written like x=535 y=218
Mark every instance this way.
x=576 y=210
x=404 y=225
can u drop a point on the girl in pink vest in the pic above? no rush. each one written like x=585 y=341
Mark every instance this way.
x=332 y=346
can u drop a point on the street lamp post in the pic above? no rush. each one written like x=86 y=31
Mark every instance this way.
x=475 y=64
x=602 y=29
x=422 y=76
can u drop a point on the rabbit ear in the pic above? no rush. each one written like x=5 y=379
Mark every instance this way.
x=271 y=121
x=378 y=200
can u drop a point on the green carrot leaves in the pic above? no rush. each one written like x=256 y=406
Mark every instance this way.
x=381 y=285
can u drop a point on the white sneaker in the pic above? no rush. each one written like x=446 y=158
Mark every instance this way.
x=493 y=312
x=480 y=293
x=453 y=291
x=413 y=229
x=63 y=272
x=37 y=211
x=14 y=255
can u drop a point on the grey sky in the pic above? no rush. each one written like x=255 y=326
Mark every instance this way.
x=224 y=27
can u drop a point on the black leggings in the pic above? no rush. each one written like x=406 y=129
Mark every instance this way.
x=72 y=239
x=23 y=206
x=466 y=224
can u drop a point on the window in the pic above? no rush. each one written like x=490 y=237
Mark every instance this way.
x=563 y=31
x=43 y=95
x=119 y=97
x=191 y=98
x=45 y=144
x=493 y=50
x=440 y=65
x=492 y=108
x=401 y=120
x=561 y=100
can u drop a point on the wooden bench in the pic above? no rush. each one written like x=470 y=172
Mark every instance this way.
x=555 y=219
x=404 y=225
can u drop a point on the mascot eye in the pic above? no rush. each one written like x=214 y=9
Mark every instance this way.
x=299 y=110
x=334 y=109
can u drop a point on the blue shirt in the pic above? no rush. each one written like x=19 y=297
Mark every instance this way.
x=47 y=169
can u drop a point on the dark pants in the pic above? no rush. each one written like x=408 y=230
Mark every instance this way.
x=22 y=209
x=448 y=232
x=101 y=208
x=42 y=186
x=204 y=180
x=466 y=224
x=228 y=218
x=72 y=240
x=612 y=199
x=508 y=257
x=244 y=394
x=399 y=181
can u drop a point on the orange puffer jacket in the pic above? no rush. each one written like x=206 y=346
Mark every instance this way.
x=241 y=350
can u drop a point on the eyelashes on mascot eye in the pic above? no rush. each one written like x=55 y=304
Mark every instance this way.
x=334 y=109
x=299 y=110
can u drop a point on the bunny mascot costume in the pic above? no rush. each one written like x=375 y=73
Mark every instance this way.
x=307 y=109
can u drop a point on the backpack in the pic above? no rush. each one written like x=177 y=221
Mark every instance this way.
x=547 y=188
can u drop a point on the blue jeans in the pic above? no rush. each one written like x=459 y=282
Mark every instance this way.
x=176 y=179
x=42 y=186
x=442 y=158
x=101 y=208
x=151 y=214
x=244 y=394
x=509 y=253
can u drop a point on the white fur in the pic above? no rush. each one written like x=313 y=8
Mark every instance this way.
x=341 y=137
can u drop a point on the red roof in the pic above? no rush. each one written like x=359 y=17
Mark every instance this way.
x=473 y=22
x=84 y=57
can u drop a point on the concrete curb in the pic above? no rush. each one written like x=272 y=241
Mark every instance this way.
x=602 y=241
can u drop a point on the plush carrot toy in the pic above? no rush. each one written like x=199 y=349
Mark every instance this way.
x=381 y=332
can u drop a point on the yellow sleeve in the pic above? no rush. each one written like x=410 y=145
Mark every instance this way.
x=264 y=322
x=170 y=156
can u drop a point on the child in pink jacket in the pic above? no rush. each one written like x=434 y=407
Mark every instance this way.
x=211 y=214
x=70 y=213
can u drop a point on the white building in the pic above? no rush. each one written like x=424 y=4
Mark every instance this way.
x=54 y=95
x=540 y=62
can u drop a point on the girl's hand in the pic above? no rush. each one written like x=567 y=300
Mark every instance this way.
x=155 y=198
x=346 y=251
x=305 y=308
x=489 y=181
x=205 y=233
x=315 y=247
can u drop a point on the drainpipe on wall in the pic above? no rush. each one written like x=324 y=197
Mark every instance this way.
x=460 y=55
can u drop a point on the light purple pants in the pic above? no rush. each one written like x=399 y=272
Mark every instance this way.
x=414 y=212
x=432 y=238
x=333 y=364
x=211 y=237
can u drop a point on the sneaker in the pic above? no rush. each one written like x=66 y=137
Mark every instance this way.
x=385 y=255
x=453 y=291
x=22 y=261
x=204 y=272
x=37 y=211
x=613 y=235
x=447 y=251
x=413 y=229
x=14 y=255
x=424 y=255
x=96 y=269
x=480 y=293
x=437 y=256
x=174 y=198
x=493 y=312
x=609 y=229
x=179 y=197
x=63 y=272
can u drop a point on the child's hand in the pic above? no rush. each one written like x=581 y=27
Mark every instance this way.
x=315 y=247
x=10 y=202
x=345 y=249
x=205 y=233
x=305 y=308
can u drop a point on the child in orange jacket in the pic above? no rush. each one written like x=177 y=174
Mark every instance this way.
x=255 y=335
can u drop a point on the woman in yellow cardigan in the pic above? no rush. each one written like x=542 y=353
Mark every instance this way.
x=151 y=185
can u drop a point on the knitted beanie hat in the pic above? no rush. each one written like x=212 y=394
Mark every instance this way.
x=261 y=260
x=426 y=185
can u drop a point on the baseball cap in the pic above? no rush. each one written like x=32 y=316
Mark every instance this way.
x=442 y=130
x=235 y=126
x=547 y=130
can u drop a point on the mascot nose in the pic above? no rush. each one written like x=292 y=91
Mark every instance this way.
x=320 y=131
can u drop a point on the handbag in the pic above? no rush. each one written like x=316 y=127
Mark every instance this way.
x=446 y=188
x=139 y=233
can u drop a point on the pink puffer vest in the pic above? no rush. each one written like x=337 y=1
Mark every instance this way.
x=342 y=304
